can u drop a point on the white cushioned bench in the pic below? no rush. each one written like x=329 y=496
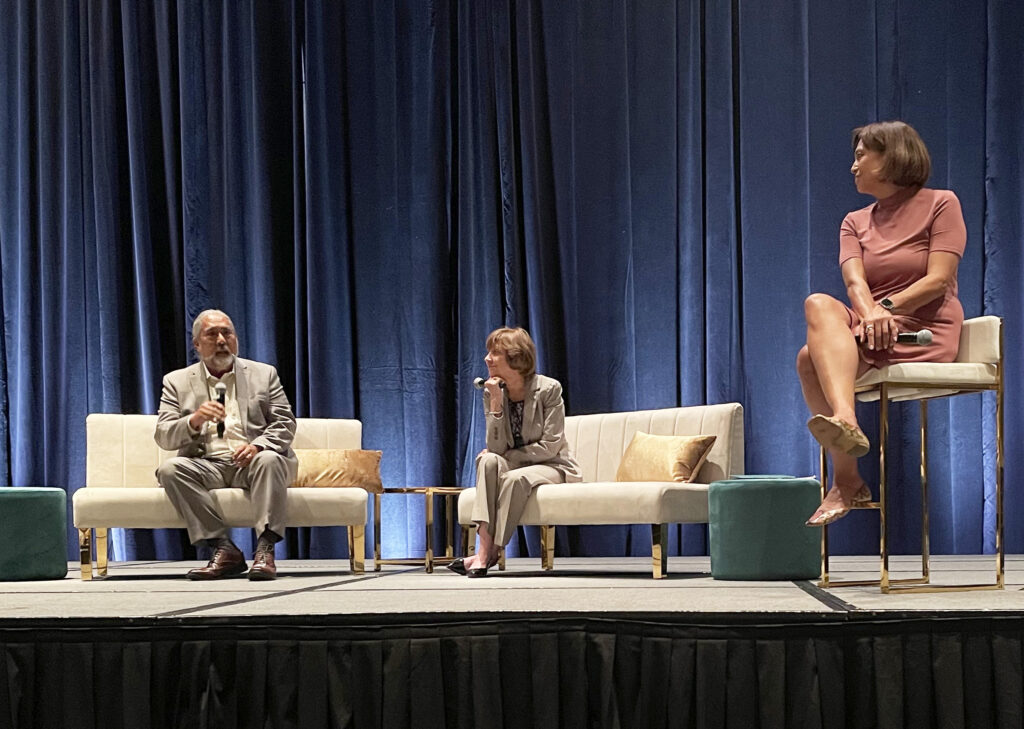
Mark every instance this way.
x=121 y=489
x=598 y=442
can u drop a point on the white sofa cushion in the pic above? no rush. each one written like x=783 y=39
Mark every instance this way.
x=103 y=507
x=598 y=441
x=617 y=502
x=121 y=452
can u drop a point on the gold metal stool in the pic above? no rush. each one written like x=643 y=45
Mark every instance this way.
x=978 y=368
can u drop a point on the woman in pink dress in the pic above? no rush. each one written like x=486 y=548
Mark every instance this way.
x=899 y=258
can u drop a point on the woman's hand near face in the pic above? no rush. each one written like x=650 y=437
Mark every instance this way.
x=878 y=329
x=493 y=387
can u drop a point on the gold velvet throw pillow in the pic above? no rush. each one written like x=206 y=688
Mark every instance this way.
x=339 y=468
x=664 y=457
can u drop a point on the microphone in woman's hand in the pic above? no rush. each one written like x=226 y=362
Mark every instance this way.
x=921 y=338
x=479 y=382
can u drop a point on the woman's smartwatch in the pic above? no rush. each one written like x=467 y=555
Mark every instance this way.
x=887 y=304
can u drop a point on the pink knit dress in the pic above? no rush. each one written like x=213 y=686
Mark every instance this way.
x=894 y=237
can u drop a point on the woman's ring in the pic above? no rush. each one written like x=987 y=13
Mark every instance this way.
x=869 y=326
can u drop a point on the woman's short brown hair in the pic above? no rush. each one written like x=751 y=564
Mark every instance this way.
x=906 y=161
x=517 y=346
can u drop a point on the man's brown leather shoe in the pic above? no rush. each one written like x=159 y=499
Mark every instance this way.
x=226 y=561
x=263 y=567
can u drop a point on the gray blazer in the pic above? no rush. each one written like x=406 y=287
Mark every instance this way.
x=543 y=429
x=262 y=403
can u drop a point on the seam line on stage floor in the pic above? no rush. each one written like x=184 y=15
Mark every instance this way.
x=268 y=596
x=824 y=597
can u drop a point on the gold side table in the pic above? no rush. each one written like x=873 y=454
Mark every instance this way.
x=450 y=493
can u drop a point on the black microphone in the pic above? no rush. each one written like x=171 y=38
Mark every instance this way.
x=921 y=338
x=478 y=383
x=220 y=388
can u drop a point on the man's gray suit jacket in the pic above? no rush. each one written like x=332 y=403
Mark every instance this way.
x=266 y=415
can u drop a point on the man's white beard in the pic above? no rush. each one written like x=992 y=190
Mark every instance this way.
x=222 y=362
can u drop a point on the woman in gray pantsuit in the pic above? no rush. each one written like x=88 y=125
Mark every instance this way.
x=526 y=444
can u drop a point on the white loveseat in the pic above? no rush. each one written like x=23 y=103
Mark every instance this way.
x=121 y=489
x=598 y=442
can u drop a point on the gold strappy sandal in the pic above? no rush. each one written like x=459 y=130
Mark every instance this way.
x=835 y=433
x=861 y=498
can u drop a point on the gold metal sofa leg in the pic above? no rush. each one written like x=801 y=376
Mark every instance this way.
x=356 y=548
x=659 y=550
x=547 y=548
x=376 y=533
x=101 y=551
x=85 y=552
x=428 y=552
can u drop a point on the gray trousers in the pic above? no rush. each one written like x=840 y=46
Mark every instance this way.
x=501 y=493
x=188 y=482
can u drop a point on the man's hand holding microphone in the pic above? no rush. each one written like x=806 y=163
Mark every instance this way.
x=213 y=411
x=210 y=411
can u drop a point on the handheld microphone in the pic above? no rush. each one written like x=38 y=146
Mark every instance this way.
x=920 y=338
x=220 y=388
x=478 y=383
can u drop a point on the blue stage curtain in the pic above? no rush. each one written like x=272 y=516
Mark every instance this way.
x=369 y=188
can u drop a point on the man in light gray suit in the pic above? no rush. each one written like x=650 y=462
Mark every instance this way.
x=242 y=441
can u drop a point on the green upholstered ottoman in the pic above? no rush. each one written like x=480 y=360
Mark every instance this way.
x=33 y=534
x=756 y=528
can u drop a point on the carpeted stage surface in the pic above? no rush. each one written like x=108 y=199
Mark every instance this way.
x=595 y=643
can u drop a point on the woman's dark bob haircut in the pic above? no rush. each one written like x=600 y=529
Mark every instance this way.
x=906 y=161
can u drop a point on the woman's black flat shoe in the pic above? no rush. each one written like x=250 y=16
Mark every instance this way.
x=457 y=566
x=477 y=572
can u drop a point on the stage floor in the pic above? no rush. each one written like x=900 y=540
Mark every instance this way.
x=590 y=586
